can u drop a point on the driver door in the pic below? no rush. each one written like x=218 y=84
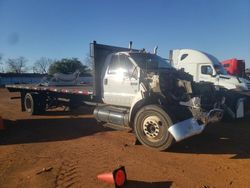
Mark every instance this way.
x=121 y=82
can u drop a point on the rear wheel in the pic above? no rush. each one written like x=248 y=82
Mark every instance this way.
x=74 y=103
x=151 y=127
x=34 y=104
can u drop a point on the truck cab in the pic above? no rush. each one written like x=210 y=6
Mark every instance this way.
x=121 y=76
x=235 y=67
x=205 y=67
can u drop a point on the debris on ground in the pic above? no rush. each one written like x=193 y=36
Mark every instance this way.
x=44 y=170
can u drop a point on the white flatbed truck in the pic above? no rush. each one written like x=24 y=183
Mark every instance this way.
x=135 y=89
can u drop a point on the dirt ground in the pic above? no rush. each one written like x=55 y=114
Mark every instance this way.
x=77 y=149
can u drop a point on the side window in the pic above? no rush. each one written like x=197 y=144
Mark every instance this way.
x=130 y=69
x=114 y=64
x=183 y=56
x=206 y=69
x=134 y=74
x=122 y=62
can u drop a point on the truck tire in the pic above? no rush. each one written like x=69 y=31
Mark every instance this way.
x=151 y=127
x=74 y=104
x=34 y=104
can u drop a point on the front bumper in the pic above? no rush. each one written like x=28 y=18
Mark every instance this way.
x=191 y=127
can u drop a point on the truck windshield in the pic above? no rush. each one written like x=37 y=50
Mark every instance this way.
x=217 y=66
x=150 y=61
x=220 y=69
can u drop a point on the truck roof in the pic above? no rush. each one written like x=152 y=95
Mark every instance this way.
x=194 y=56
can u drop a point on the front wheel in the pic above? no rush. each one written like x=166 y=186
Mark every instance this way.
x=151 y=127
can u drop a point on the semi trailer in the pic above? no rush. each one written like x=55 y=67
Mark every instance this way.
x=138 y=90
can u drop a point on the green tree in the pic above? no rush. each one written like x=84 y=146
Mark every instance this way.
x=67 y=66
x=89 y=63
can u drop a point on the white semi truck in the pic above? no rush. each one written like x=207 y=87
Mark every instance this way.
x=135 y=89
x=206 y=68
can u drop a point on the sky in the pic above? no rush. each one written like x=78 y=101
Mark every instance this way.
x=64 y=28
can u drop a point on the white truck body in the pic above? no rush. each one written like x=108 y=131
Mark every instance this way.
x=205 y=67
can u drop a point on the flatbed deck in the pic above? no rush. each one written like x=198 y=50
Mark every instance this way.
x=76 y=89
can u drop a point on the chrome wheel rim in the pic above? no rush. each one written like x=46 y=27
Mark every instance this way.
x=152 y=127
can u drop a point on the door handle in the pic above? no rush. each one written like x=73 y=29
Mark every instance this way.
x=105 y=81
x=133 y=83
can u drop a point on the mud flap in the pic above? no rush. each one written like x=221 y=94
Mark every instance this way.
x=185 y=129
x=240 y=108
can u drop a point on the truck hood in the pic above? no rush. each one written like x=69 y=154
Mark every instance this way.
x=228 y=77
x=233 y=82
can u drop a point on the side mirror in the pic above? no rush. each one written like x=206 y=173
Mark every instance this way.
x=213 y=74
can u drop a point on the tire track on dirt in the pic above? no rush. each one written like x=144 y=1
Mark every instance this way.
x=68 y=174
x=82 y=165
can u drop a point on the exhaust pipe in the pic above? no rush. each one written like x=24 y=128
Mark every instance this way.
x=155 y=50
x=130 y=45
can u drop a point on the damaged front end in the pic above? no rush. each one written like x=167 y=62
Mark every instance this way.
x=194 y=125
x=194 y=104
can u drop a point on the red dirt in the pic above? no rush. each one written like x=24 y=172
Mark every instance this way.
x=78 y=149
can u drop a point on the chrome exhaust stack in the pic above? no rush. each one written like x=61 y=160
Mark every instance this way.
x=155 y=50
x=130 y=45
